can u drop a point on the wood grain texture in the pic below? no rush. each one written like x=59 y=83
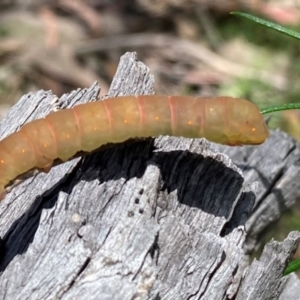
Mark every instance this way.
x=146 y=219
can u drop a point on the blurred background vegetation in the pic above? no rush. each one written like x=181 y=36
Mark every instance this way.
x=192 y=47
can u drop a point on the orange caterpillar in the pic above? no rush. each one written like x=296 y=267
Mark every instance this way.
x=60 y=135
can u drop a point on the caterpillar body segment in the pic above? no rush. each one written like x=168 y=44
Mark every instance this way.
x=61 y=134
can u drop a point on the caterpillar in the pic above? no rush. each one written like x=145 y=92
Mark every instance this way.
x=86 y=127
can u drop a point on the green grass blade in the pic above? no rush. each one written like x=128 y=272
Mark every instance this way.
x=280 y=107
x=268 y=24
x=292 y=267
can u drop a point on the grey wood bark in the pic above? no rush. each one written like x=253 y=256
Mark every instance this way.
x=160 y=218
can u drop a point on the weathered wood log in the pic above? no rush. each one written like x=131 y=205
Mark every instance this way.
x=158 y=218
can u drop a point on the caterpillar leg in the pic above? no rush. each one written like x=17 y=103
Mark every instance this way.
x=46 y=169
x=2 y=193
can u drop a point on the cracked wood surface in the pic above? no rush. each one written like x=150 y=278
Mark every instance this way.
x=148 y=219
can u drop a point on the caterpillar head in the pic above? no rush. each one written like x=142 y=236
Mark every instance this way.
x=248 y=125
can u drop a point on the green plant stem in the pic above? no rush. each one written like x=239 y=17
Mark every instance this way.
x=280 y=107
x=268 y=24
x=292 y=267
